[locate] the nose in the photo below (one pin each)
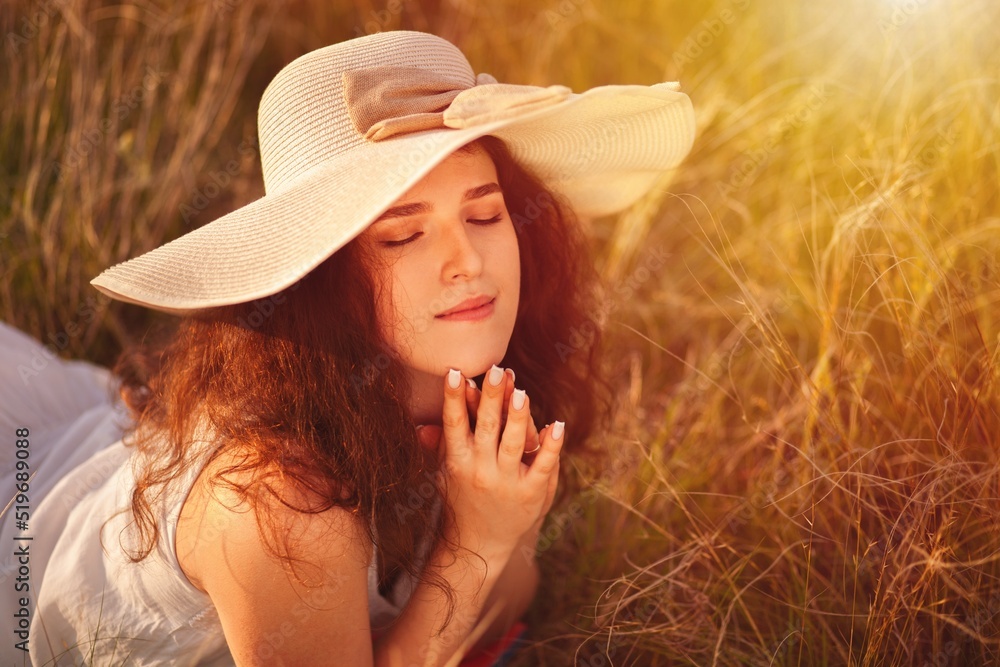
(462, 258)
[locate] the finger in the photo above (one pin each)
(472, 394)
(507, 393)
(455, 417)
(508, 387)
(550, 492)
(489, 414)
(514, 434)
(548, 456)
(429, 437)
(532, 443)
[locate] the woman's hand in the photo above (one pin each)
(429, 436)
(495, 497)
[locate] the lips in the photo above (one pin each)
(467, 305)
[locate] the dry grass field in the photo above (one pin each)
(803, 320)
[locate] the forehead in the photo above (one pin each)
(460, 177)
(469, 166)
(465, 175)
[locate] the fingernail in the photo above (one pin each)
(512, 376)
(496, 376)
(557, 430)
(518, 399)
(471, 383)
(454, 378)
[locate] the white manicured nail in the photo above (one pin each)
(454, 378)
(471, 383)
(557, 430)
(518, 399)
(496, 376)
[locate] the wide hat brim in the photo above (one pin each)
(601, 149)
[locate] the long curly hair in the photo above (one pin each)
(302, 386)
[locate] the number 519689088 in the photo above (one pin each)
(22, 476)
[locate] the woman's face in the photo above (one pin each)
(447, 254)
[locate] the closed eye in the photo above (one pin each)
(413, 237)
(490, 221)
(408, 239)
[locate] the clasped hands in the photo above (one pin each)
(499, 476)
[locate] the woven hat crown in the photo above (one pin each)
(303, 119)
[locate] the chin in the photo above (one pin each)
(474, 368)
(473, 363)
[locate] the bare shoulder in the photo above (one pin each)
(260, 597)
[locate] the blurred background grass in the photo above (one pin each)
(802, 320)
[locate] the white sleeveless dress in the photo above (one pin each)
(89, 604)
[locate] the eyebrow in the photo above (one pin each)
(417, 208)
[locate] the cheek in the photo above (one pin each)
(401, 316)
(390, 300)
(509, 260)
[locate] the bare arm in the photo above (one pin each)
(517, 584)
(419, 636)
(270, 617)
(499, 504)
(514, 590)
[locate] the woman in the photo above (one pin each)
(314, 475)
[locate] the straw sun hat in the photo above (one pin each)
(347, 129)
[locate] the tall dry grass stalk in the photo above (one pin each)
(803, 320)
(814, 480)
(111, 119)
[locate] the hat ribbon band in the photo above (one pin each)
(386, 101)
